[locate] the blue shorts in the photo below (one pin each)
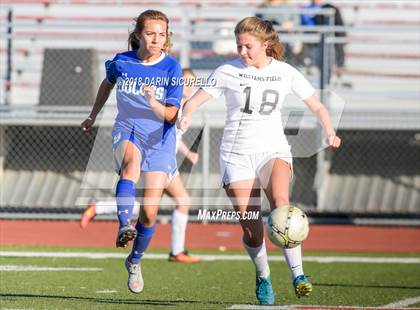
(152, 158)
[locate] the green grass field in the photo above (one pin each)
(207, 285)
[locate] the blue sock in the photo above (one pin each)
(144, 235)
(125, 194)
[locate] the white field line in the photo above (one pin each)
(317, 259)
(403, 303)
(44, 268)
(106, 292)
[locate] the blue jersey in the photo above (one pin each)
(134, 112)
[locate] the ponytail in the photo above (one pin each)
(133, 43)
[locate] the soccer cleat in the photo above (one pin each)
(302, 286)
(88, 214)
(125, 234)
(264, 291)
(183, 257)
(135, 279)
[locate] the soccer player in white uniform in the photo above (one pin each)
(175, 189)
(254, 152)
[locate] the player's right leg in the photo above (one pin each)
(128, 154)
(246, 198)
(239, 179)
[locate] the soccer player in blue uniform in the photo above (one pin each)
(144, 139)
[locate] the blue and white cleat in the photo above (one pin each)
(264, 291)
(302, 286)
(125, 235)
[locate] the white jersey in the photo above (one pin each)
(254, 98)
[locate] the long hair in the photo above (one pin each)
(134, 44)
(263, 30)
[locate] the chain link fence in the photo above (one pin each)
(59, 169)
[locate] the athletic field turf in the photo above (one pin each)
(225, 280)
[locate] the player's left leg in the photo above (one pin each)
(146, 226)
(177, 191)
(276, 175)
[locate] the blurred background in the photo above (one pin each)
(52, 55)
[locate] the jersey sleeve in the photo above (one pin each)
(300, 86)
(215, 86)
(111, 75)
(174, 91)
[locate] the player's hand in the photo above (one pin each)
(333, 141)
(149, 92)
(193, 157)
(87, 124)
(184, 122)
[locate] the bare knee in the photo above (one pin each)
(147, 218)
(183, 204)
(253, 235)
(130, 171)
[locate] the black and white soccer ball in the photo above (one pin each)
(287, 226)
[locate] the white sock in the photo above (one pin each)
(259, 258)
(109, 207)
(293, 258)
(179, 225)
(136, 209)
(105, 207)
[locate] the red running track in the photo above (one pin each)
(342, 238)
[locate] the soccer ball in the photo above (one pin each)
(287, 226)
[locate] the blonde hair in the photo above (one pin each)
(134, 44)
(263, 30)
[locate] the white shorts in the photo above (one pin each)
(237, 167)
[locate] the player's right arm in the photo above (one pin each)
(200, 97)
(101, 97)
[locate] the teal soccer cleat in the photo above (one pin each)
(302, 286)
(264, 291)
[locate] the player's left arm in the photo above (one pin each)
(319, 110)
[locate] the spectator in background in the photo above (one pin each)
(338, 21)
(288, 21)
(313, 50)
